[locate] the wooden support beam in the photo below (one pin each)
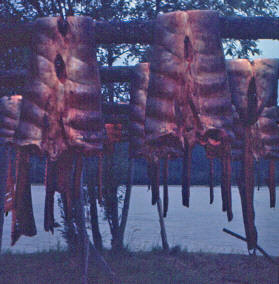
(116, 74)
(10, 78)
(249, 27)
(236, 27)
(15, 35)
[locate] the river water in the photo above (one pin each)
(198, 228)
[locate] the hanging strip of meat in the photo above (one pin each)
(211, 180)
(100, 179)
(155, 180)
(51, 187)
(10, 186)
(166, 190)
(65, 180)
(153, 172)
(62, 99)
(266, 144)
(226, 161)
(77, 176)
(223, 186)
(24, 223)
(186, 175)
(271, 183)
(9, 118)
(247, 191)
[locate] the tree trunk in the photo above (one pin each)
(3, 180)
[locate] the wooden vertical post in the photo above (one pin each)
(162, 225)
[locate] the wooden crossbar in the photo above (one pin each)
(235, 27)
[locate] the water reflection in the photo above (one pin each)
(198, 228)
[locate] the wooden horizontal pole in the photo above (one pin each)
(257, 246)
(235, 27)
(120, 74)
(116, 74)
(249, 27)
(12, 78)
(116, 109)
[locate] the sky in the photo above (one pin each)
(270, 48)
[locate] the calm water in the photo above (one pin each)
(196, 228)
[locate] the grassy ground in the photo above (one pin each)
(155, 267)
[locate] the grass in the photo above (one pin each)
(154, 267)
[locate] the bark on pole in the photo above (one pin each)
(236, 27)
(3, 179)
(162, 225)
(107, 74)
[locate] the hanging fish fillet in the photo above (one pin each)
(266, 144)
(207, 90)
(62, 100)
(166, 84)
(139, 88)
(137, 135)
(253, 86)
(166, 190)
(206, 84)
(9, 118)
(242, 86)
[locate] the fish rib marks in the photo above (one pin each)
(62, 97)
